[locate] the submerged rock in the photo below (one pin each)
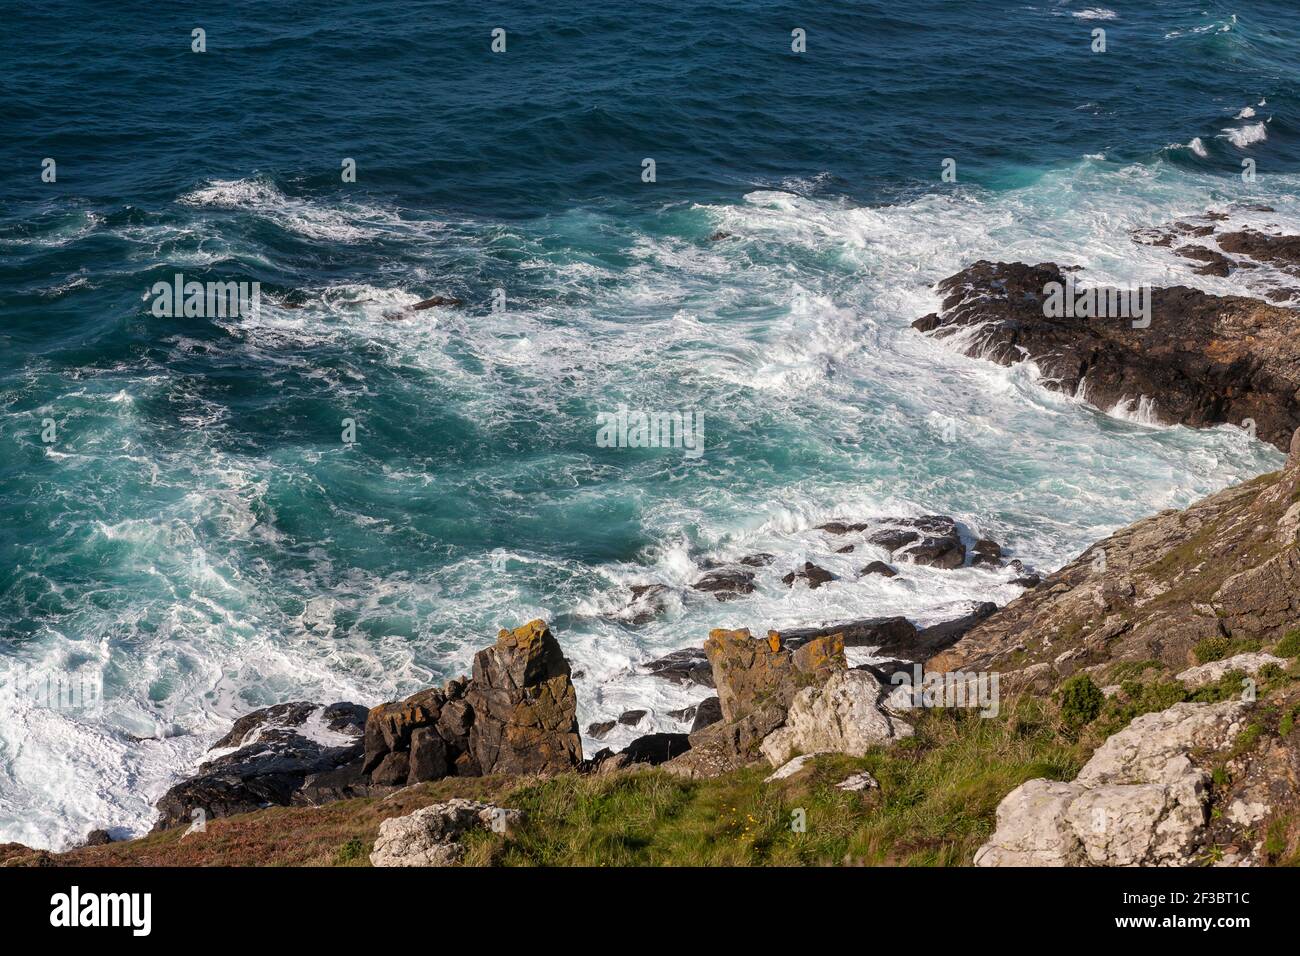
(726, 584)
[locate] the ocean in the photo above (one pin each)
(183, 518)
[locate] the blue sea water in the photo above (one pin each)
(197, 533)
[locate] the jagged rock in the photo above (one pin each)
(1140, 799)
(98, 838)
(1280, 251)
(842, 716)
(1204, 359)
(280, 754)
(524, 704)
(847, 549)
(1214, 262)
(630, 718)
(600, 728)
(1210, 673)
(647, 602)
(690, 665)
(814, 575)
(1228, 566)
(726, 584)
(430, 836)
(750, 673)
(878, 567)
(890, 634)
(986, 552)
(655, 749)
(707, 713)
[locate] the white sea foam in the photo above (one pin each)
(1247, 135)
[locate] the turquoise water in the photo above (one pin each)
(199, 535)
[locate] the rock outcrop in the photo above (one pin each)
(841, 716)
(431, 836)
(516, 714)
(1140, 800)
(290, 754)
(1227, 567)
(1202, 360)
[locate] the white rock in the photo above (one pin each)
(790, 767)
(841, 716)
(1138, 801)
(428, 837)
(1195, 677)
(859, 781)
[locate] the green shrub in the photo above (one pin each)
(1081, 701)
(1218, 647)
(1289, 646)
(350, 852)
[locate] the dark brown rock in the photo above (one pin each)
(1204, 359)
(878, 567)
(814, 575)
(726, 584)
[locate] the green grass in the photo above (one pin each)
(935, 805)
(1289, 646)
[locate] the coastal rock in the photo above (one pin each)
(524, 704)
(814, 575)
(1210, 673)
(648, 602)
(655, 749)
(430, 836)
(726, 584)
(986, 552)
(279, 754)
(878, 567)
(749, 672)
(1140, 799)
(842, 716)
(790, 768)
(707, 713)
(1203, 360)
(1227, 566)
(690, 665)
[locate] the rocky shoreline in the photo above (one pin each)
(1173, 608)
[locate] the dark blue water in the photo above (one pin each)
(196, 532)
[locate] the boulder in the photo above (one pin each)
(430, 836)
(842, 716)
(1141, 800)
(690, 665)
(655, 749)
(751, 674)
(707, 713)
(814, 575)
(878, 567)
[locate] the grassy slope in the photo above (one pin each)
(935, 806)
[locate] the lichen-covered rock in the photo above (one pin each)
(525, 707)
(1139, 801)
(750, 673)
(842, 716)
(431, 836)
